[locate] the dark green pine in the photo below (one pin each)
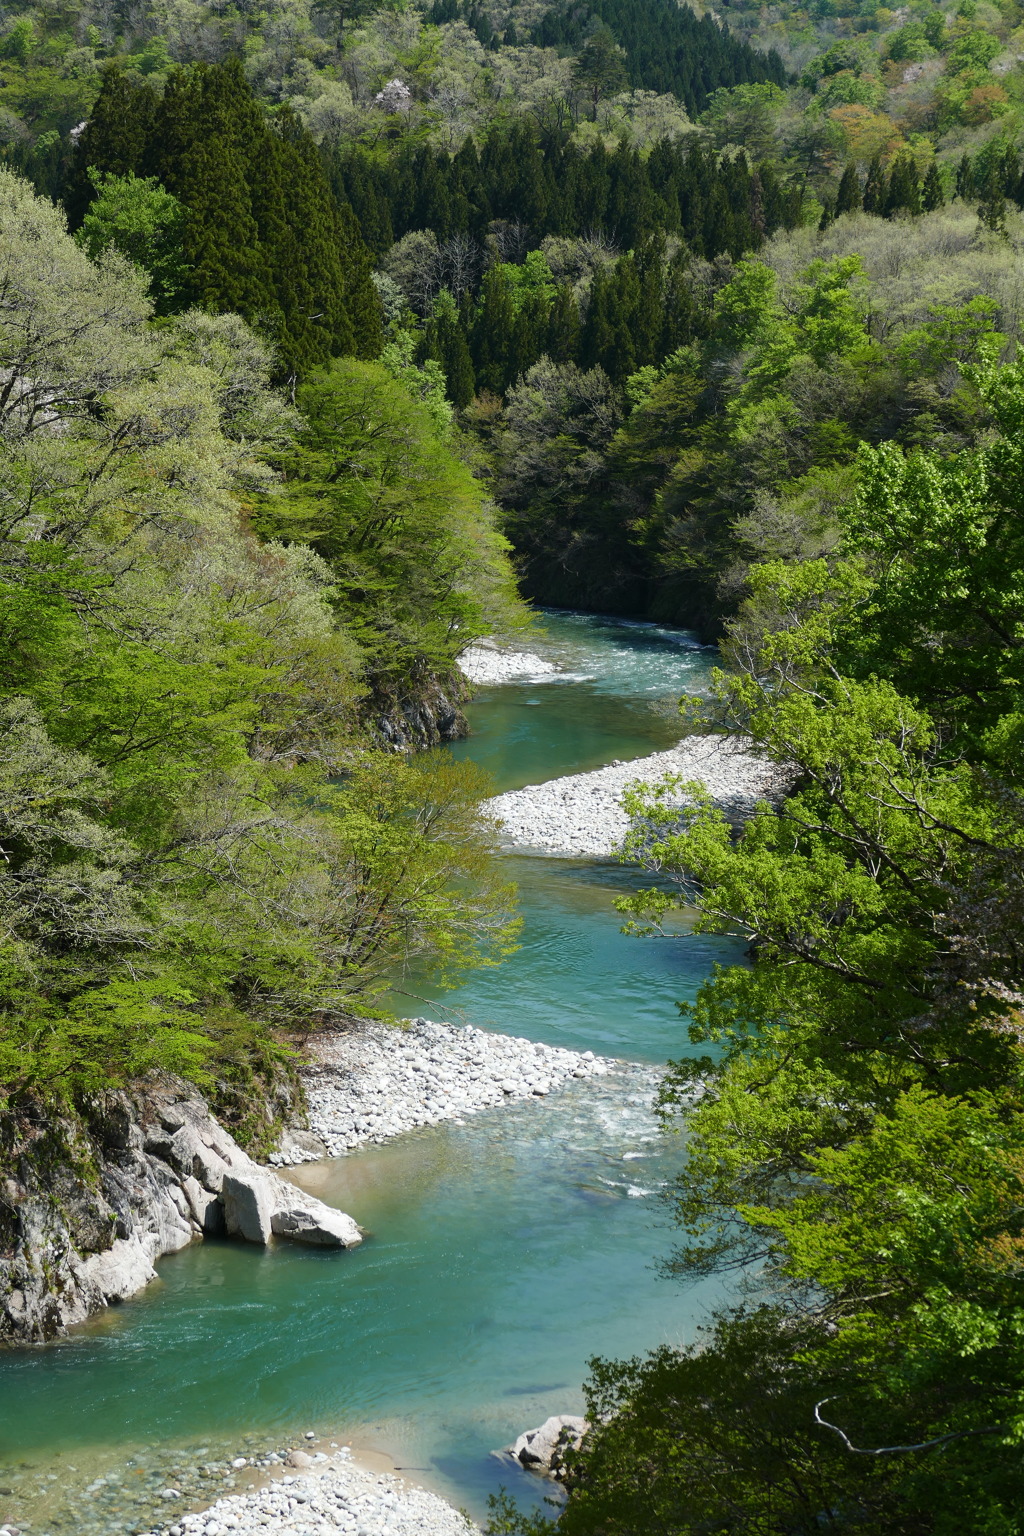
(493, 339)
(115, 139)
(932, 194)
(564, 328)
(903, 194)
(848, 198)
(875, 187)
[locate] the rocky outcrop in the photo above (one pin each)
(427, 715)
(89, 1203)
(544, 1450)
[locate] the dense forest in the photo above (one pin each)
(322, 325)
(207, 845)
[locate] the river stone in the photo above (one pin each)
(315, 1223)
(249, 1200)
(543, 1449)
(301, 1147)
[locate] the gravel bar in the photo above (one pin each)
(581, 816)
(377, 1080)
(333, 1495)
(488, 663)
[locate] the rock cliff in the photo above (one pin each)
(428, 713)
(89, 1202)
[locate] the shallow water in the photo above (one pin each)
(617, 697)
(504, 1252)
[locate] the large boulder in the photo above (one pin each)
(306, 1220)
(543, 1449)
(249, 1198)
(258, 1206)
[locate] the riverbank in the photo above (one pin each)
(375, 1081)
(238, 1485)
(500, 1251)
(581, 815)
(336, 1495)
(486, 663)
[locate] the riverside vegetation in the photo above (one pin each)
(725, 323)
(202, 847)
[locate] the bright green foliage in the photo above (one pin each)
(198, 849)
(445, 342)
(141, 219)
(374, 488)
(950, 527)
(745, 115)
(857, 1132)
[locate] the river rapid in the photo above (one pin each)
(503, 1253)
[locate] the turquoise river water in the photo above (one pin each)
(503, 1253)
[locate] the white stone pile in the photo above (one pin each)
(379, 1080)
(581, 815)
(334, 1496)
(489, 663)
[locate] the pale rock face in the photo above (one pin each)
(306, 1220)
(125, 1268)
(543, 1449)
(248, 1206)
(167, 1175)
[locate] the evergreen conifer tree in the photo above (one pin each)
(115, 139)
(848, 198)
(445, 341)
(932, 195)
(206, 140)
(875, 187)
(598, 341)
(565, 330)
(263, 234)
(903, 194)
(965, 178)
(600, 69)
(992, 201)
(492, 338)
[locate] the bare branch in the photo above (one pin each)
(897, 1450)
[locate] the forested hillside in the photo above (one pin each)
(852, 1100)
(321, 323)
(205, 847)
(545, 209)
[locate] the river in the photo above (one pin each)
(504, 1252)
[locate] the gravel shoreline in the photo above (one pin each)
(488, 663)
(378, 1080)
(580, 815)
(333, 1495)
